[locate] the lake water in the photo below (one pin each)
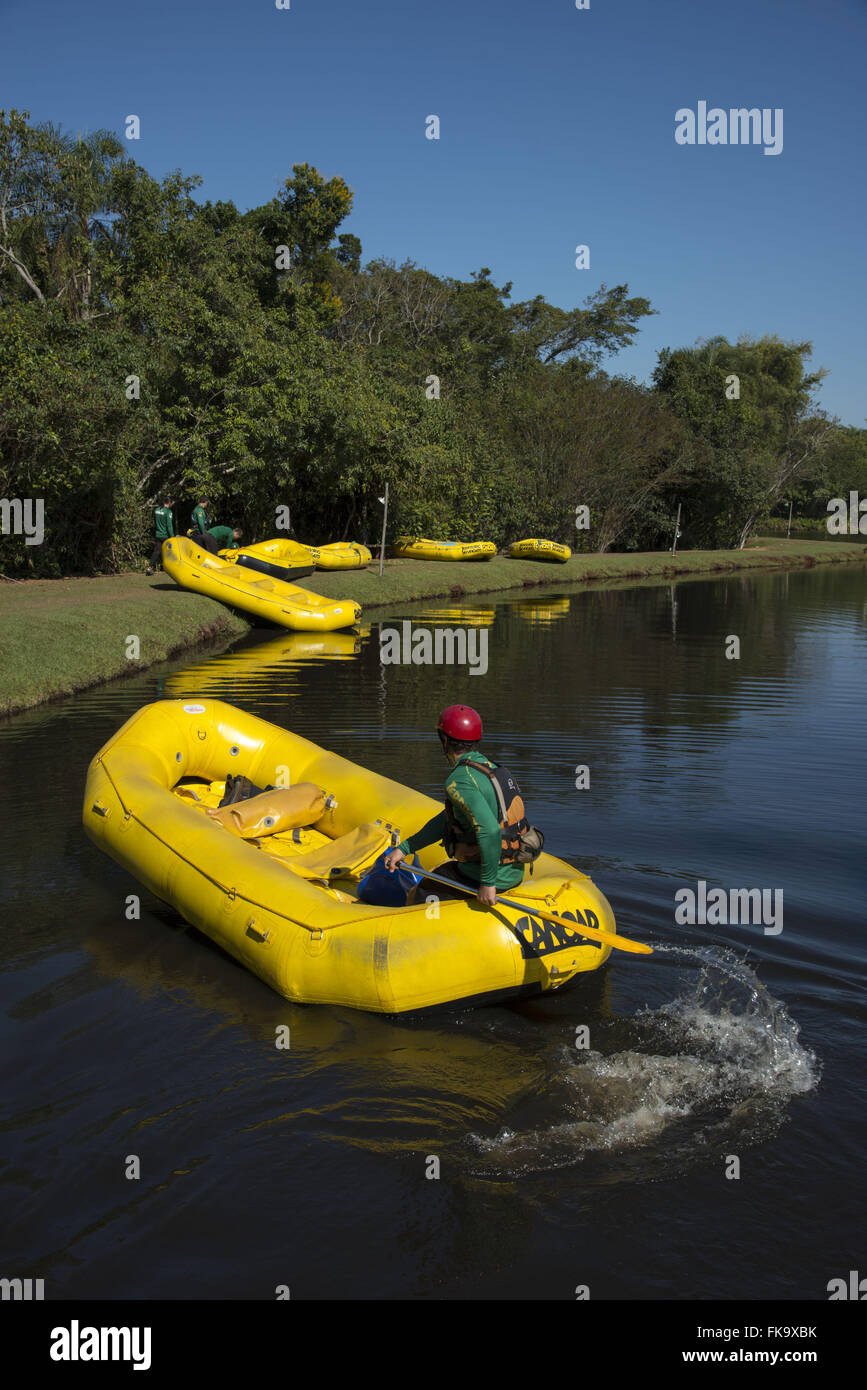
(732, 1048)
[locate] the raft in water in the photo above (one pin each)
(534, 549)
(417, 548)
(282, 897)
(262, 595)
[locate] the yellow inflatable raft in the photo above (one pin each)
(341, 555)
(416, 548)
(540, 550)
(286, 553)
(273, 880)
(287, 604)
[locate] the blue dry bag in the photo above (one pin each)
(382, 889)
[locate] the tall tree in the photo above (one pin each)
(749, 408)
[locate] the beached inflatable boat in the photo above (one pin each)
(282, 559)
(274, 880)
(341, 555)
(416, 548)
(533, 549)
(262, 595)
(287, 554)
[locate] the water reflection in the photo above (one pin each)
(248, 670)
(455, 616)
(542, 612)
(142, 1037)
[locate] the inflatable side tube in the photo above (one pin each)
(252, 562)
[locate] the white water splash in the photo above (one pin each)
(717, 1066)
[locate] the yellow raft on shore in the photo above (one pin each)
(288, 554)
(263, 596)
(341, 555)
(534, 549)
(275, 883)
(417, 548)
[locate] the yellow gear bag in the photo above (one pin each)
(283, 808)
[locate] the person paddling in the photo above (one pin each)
(164, 527)
(482, 826)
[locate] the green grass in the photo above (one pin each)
(404, 580)
(64, 635)
(58, 636)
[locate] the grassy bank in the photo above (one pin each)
(61, 636)
(58, 636)
(405, 580)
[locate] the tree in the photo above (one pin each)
(54, 206)
(748, 407)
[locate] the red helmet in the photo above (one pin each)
(460, 722)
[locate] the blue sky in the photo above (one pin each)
(557, 128)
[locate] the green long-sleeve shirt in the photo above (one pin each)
(199, 518)
(225, 537)
(163, 523)
(474, 803)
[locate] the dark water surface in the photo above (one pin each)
(559, 1166)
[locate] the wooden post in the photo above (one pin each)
(676, 530)
(384, 501)
(789, 527)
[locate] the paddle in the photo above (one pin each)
(620, 943)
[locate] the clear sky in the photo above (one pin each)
(557, 129)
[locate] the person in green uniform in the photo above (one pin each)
(227, 537)
(199, 518)
(200, 532)
(164, 527)
(482, 824)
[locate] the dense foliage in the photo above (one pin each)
(153, 346)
